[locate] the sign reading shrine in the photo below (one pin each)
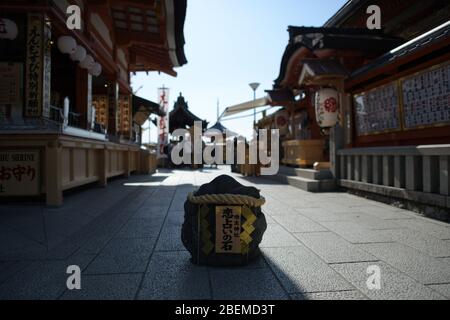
(19, 173)
(228, 229)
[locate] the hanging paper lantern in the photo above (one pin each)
(327, 107)
(67, 44)
(79, 54)
(88, 62)
(96, 70)
(8, 29)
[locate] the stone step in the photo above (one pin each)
(306, 184)
(306, 173)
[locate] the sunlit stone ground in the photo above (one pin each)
(126, 239)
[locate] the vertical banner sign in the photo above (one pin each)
(124, 107)
(228, 229)
(113, 105)
(34, 69)
(19, 172)
(47, 68)
(163, 122)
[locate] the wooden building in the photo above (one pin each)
(67, 113)
(391, 134)
(315, 58)
(395, 142)
(370, 107)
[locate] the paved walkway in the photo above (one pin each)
(126, 239)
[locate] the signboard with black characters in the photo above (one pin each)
(417, 101)
(377, 110)
(228, 229)
(426, 98)
(47, 71)
(34, 68)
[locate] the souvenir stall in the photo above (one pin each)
(66, 102)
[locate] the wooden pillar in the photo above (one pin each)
(113, 104)
(83, 96)
(83, 104)
(337, 138)
(127, 163)
(103, 160)
(53, 172)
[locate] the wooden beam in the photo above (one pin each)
(125, 3)
(125, 38)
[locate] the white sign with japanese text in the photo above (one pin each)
(228, 229)
(19, 172)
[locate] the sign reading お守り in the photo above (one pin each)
(19, 172)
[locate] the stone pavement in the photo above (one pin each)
(126, 239)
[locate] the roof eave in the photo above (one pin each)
(176, 16)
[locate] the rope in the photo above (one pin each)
(231, 199)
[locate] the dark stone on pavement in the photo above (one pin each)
(192, 226)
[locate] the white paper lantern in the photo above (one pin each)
(10, 30)
(67, 44)
(327, 107)
(96, 70)
(88, 62)
(79, 54)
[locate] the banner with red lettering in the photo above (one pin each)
(163, 122)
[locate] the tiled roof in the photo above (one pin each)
(407, 49)
(312, 38)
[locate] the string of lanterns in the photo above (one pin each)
(68, 45)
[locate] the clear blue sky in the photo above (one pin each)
(230, 43)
